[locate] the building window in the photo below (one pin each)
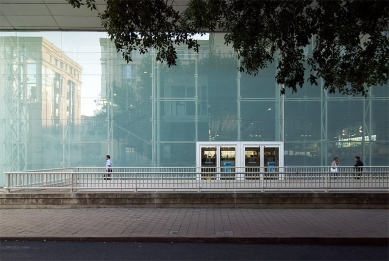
(204, 54)
(180, 54)
(128, 72)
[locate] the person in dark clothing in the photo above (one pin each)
(358, 167)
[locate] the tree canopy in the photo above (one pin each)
(349, 37)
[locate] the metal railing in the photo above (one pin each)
(202, 179)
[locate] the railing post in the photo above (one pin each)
(199, 182)
(262, 180)
(7, 183)
(72, 182)
(136, 182)
(326, 174)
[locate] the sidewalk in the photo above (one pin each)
(296, 226)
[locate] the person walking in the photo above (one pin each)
(334, 166)
(358, 167)
(108, 167)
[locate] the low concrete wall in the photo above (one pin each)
(197, 200)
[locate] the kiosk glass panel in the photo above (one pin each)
(208, 163)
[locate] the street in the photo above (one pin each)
(51, 250)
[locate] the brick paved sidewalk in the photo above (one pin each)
(307, 226)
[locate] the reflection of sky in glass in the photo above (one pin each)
(84, 48)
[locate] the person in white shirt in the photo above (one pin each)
(108, 167)
(334, 166)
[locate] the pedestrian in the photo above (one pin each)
(358, 167)
(334, 166)
(108, 167)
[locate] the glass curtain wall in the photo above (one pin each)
(67, 103)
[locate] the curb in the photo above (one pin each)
(239, 240)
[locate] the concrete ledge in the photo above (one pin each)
(306, 200)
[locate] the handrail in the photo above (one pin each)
(202, 178)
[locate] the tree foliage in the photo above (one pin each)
(349, 37)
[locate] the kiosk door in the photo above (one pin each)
(271, 161)
(227, 162)
(252, 162)
(208, 162)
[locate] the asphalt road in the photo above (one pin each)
(48, 250)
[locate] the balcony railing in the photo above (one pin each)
(199, 179)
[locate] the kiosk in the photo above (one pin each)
(239, 160)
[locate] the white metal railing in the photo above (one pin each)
(202, 179)
(45, 178)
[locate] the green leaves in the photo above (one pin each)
(351, 45)
(77, 3)
(347, 40)
(142, 25)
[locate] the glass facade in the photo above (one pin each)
(67, 99)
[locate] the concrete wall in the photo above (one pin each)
(198, 200)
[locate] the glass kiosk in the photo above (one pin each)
(239, 160)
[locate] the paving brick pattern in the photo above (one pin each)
(201, 224)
